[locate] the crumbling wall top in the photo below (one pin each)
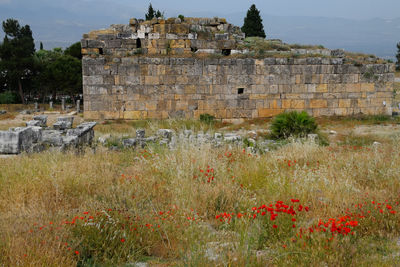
(164, 37)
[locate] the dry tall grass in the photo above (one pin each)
(159, 205)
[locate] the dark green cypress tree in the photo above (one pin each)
(253, 23)
(41, 46)
(150, 13)
(398, 57)
(158, 14)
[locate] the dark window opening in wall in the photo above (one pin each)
(101, 52)
(194, 49)
(226, 52)
(138, 43)
(240, 91)
(146, 35)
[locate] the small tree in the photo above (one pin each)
(398, 57)
(152, 13)
(253, 23)
(74, 50)
(159, 14)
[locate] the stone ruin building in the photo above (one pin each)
(173, 68)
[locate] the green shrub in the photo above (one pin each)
(8, 98)
(182, 17)
(207, 118)
(293, 123)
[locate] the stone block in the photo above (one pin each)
(42, 119)
(63, 123)
(52, 137)
(321, 88)
(344, 103)
(269, 112)
(33, 123)
(318, 103)
(17, 141)
(367, 87)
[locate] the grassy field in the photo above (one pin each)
(299, 205)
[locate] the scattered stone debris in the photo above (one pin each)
(168, 137)
(25, 112)
(36, 136)
(3, 112)
(376, 143)
(332, 132)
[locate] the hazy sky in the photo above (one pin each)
(359, 9)
(348, 24)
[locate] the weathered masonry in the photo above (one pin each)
(152, 70)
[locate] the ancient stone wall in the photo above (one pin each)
(160, 69)
(140, 87)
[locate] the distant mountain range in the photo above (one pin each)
(60, 27)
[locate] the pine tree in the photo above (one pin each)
(158, 14)
(398, 57)
(150, 13)
(41, 46)
(253, 23)
(16, 55)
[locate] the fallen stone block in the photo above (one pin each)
(231, 137)
(52, 137)
(84, 132)
(69, 142)
(42, 119)
(165, 133)
(33, 123)
(131, 142)
(3, 112)
(140, 133)
(16, 141)
(25, 112)
(9, 143)
(63, 123)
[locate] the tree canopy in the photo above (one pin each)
(58, 71)
(37, 74)
(16, 56)
(253, 23)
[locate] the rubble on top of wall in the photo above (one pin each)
(36, 136)
(193, 36)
